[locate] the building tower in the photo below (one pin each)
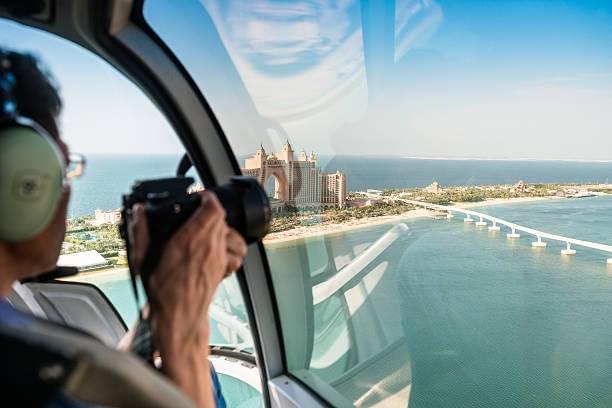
(300, 182)
(287, 153)
(302, 156)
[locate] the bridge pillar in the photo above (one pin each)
(468, 219)
(568, 250)
(494, 227)
(538, 243)
(513, 234)
(450, 215)
(481, 223)
(609, 262)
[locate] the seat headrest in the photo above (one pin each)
(43, 358)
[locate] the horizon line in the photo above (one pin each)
(324, 154)
(506, 159)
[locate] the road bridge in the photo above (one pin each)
(514, 229)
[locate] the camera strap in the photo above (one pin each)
(136, 294)
(134, 282)
(142, 342)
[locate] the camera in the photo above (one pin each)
(168, 205)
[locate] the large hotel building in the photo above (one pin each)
(298, 182)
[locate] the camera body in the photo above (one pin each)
(168, 205)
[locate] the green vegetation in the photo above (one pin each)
(83, 236)
(294, 218)
(362, 206)
(476, 194)
(473, 194)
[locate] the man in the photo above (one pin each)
(195, 261)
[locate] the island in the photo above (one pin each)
(99, 233)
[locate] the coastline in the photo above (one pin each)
(328, 229)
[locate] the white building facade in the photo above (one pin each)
(298, 182)
(106, 217)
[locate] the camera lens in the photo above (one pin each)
(247, 207)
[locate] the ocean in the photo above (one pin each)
(467, 317)
(108, 177)
(463, 316)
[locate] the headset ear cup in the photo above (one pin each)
(31, 182)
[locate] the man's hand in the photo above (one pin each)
(194, 262)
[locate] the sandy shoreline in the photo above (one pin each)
(324, 230)
(327, 229)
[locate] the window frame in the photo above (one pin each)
(116, 31)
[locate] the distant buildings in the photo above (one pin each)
(434, 188)
(106, 217)
(521, 187)
(297, 181)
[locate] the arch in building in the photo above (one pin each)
(281, 184)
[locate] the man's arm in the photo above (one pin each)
(194, 262)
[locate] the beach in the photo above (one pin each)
(324, 230)
(331, 228)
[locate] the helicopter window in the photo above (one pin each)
(430, 251)
(124, 138)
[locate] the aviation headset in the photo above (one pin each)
(32, 167)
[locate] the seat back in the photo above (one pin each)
(75, 304)
(42, 358)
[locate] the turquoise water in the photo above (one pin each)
(107, 177)
(492, 322)
(469, 317)
(118, 288)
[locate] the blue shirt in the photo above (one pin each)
(219, 400)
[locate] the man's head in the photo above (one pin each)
(37, 99)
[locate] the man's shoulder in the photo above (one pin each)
(10, 315)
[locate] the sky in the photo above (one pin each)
(103, 111)
(415, 78)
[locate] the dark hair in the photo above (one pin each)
(36, 92)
